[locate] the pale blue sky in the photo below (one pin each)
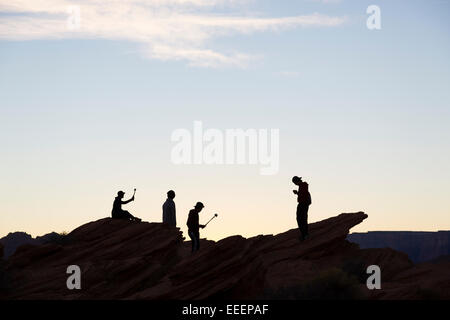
(363, 115)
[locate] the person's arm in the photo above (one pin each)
(173, 213)
(170, 213)
(172, 208)
(164, 213)
(125, 202)
(189, 221)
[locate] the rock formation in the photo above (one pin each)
(419, 246)
(16, 239)
(130, 260)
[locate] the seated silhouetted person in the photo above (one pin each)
(304, 201)
(193, 226)
(117, 212)
(169, 212)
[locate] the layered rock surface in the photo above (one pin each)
(130, 260)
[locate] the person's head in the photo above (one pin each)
(297, 180)
(170, 194)
(199, 206)
(120, 194)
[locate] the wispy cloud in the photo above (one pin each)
(165, 29)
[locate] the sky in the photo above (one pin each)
(88, 107)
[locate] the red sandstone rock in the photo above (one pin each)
(129, 260)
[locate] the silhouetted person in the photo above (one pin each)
(169, 212)
(193, 226)
(117, 212)
(304, 200)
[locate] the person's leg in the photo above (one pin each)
(127, 215)
(121, 215)
(192, 236)
(299, 221)
(197, 243)
(303, 225)
(302, 220)
(305, 222)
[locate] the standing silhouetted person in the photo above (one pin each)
(304, 200)
(193, 226)
(169, 212)
(117, 212)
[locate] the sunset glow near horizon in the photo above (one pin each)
(363, 115)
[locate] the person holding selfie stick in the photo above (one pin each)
(194, 226)
(117, 212)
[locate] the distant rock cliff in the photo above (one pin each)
(16, 239)
(419, 246)
(131, 260)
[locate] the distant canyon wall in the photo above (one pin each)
(419, 246)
